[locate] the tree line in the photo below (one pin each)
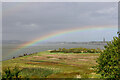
(77, 50)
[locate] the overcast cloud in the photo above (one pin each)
(30, 20)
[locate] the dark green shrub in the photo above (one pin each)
(98, 50)
(11, 73)
(109, 60)
(16, 72)
(8, 73)
(60, 49)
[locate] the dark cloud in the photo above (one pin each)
(30, 20)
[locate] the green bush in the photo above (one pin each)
(109, 60)
(11, 73)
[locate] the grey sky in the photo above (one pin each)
(31, 20)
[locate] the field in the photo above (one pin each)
(55, 65)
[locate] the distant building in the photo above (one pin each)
(103, 39)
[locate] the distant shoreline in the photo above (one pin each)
(7, 48)
(50, 52)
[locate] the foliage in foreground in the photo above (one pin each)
(25, 73)
(77, 50)
(109, 60)
(37, 72)
(11, 73)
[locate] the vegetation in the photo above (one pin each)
(72, 65)
(36, 72)
(77, 50)
(53, 65)
(109, 60)
(0, 76)
(11, 73)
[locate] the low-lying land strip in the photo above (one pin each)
(55, 65)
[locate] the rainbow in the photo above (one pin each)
(15, 7)
(62, 32)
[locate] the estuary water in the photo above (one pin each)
(11, 50)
